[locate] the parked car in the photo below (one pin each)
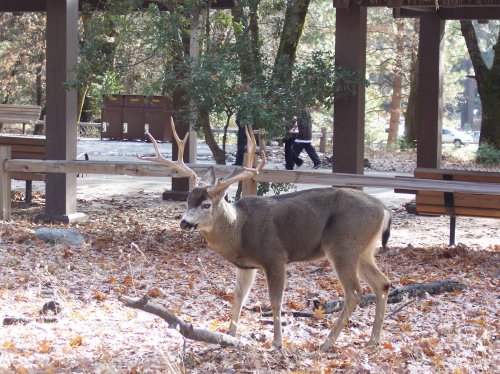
(456, 137)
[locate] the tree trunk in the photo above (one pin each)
(39, 128)
(204, 120)
(295, 17)
(411, 109)
(245, 38)
(488, 85)
(397, 84)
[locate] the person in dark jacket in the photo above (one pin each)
(304, 138)
(242, 140)
(291, 159)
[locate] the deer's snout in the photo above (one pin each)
(186, 225)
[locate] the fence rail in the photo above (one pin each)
(144, 168)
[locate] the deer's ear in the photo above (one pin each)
(208, 178)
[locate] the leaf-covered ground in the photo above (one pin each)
(134, 246)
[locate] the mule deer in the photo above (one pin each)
(267, 233)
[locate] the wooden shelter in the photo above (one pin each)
(348, 148)
(350, 52)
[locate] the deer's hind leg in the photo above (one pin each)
(276, 283)
(244, 281)
(379, 285)
(345, 266)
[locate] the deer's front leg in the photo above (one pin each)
(275, 275)
(244, 281)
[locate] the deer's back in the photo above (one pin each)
(296, 226)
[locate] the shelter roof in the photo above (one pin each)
(41, 5)
(416, 3)
(444, 9)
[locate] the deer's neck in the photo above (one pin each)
(224, 234)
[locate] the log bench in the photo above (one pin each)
(24, 114)
(32, 148)
(453, 204)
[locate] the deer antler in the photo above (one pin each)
(249, 172)
(179, 164)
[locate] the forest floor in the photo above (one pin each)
(134, 246)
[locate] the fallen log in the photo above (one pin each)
(186, 329)
(395, 296)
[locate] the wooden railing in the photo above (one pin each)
(141, 168)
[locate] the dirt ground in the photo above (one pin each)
(133, 246)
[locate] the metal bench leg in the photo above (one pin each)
(453, 226)
(29, 191)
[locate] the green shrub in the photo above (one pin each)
(406, 144)
(277, 188)
(488, 154)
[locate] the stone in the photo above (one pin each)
(60, 236)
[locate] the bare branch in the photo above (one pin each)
(186, 329)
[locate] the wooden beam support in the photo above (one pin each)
(4, 183)
(472, 13)
(430, 89)
(61, 129)
(349, 112)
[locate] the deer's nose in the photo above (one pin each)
(185, 225)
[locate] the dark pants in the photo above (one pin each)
(299, 147)
(242, 142)
(291, 158)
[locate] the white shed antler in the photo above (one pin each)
(179, 164)
(267, 233)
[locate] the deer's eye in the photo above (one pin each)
(206, 206)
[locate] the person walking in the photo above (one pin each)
(291, 159)
(242, 140)
(304, 138)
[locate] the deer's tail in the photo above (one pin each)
(386, 228)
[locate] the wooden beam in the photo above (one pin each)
(4, 184)
(142, 168)
(472, 13)
(61, 129)
(430, 91)
(23, 6)
(349, 112)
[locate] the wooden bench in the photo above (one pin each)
(453, 204)
(24, 114)
(26, 148)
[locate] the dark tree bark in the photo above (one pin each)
(218, 153)
(411, 109)
(488, 85)
(295, 17)
(397, 84)
(39, 90)
(247, 40)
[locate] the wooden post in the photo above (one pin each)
(249, 186)
(4, 184)
(430, 91)
(60, 125)
(349, 112)
(322, 140)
